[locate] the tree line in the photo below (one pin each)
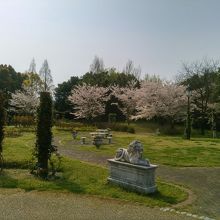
(123, 93)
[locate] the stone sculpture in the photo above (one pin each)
(129, 170)
(132, 155)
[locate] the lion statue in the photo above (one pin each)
(132, 155)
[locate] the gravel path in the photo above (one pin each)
(204, 182)
(43, 205)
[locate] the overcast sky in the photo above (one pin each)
(158, 35)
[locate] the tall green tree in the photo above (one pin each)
(108, 78)
(2, 120)
(44, 133)
(62, 92)
(46, 77)
(10, 80)
(201, 78)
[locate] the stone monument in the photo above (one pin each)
(129, 170)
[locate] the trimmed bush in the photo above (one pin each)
(131, 129)
(13, 132)
(23, 120)
(117, 127)
(44, 133)
(77, 126)
(73, 126)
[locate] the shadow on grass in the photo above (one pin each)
(164, 198)
(16, 165)
(6, 181)
(66, 184)
(161, 195)
(30, 182)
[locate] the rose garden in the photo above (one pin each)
(148, 144)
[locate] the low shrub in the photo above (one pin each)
(73, 126)
(13, 132)
(27, 129)
(172, 131)
(77, 126)
(117, 127)
(131, 129)
(23, 120)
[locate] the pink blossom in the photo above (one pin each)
(89, 101)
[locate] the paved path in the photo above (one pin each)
(16, 205)
(204, 182)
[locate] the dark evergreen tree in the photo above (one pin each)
(2, 119)
(108, 78)
(202, 79)
(44, 133)
(2, 123)
(62, 92)
(10, 80)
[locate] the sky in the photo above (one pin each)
(158, 35)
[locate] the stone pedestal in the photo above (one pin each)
(134, 177)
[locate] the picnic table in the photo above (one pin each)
(104, 133)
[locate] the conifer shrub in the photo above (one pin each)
(2, 123)
(2, 119)
(44, 134)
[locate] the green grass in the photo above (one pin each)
(84, 178)
(17, 151)
(76, 177)
(167, 150)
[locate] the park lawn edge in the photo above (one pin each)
(17, 151)
(88, 179)
(165, 150)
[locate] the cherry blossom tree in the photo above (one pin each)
(172, 102)
(25, 101)
(147, 98)
(89, 101)
(161, 99)
(127, 97)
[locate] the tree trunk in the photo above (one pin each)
(128, 122)
(213, 125)
(203, 125)
(172, 124)
(43, 165)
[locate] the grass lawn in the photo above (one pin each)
(167, 150)
(76, 177)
